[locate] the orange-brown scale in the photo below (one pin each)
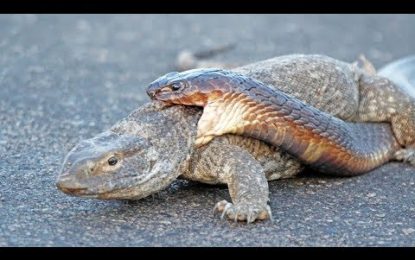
(318, 139)
(318, 151)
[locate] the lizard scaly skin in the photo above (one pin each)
(154, 145)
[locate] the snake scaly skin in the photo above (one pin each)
(240, 105)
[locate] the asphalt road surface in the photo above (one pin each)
(68, 77)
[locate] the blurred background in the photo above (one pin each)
(68, 77)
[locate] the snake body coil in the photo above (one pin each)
(236, 104)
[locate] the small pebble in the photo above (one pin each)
(408, 231)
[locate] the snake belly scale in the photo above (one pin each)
(240, 105)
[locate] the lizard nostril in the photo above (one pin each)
(151, 165)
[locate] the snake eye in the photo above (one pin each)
(176, 86)
(112, 161)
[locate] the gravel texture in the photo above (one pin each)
(68, 77)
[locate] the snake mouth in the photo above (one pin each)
(164, 94)
(155, 92)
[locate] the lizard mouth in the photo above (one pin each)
(71, 187)
(71, 190)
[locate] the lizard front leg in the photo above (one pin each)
(245, 177)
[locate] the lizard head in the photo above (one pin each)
(105, 165)
(140, 155)
(191, 87)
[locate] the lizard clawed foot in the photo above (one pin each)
(406, 155)
(243, 211)
(202, 140)
(364, 64)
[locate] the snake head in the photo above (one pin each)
(192, 87)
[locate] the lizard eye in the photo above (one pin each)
(112, 161)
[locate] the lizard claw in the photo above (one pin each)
(228, 205)
(216, 208)
(250, 218)
(236, 217)
(270, 213)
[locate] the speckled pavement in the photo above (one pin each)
(68, 77)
